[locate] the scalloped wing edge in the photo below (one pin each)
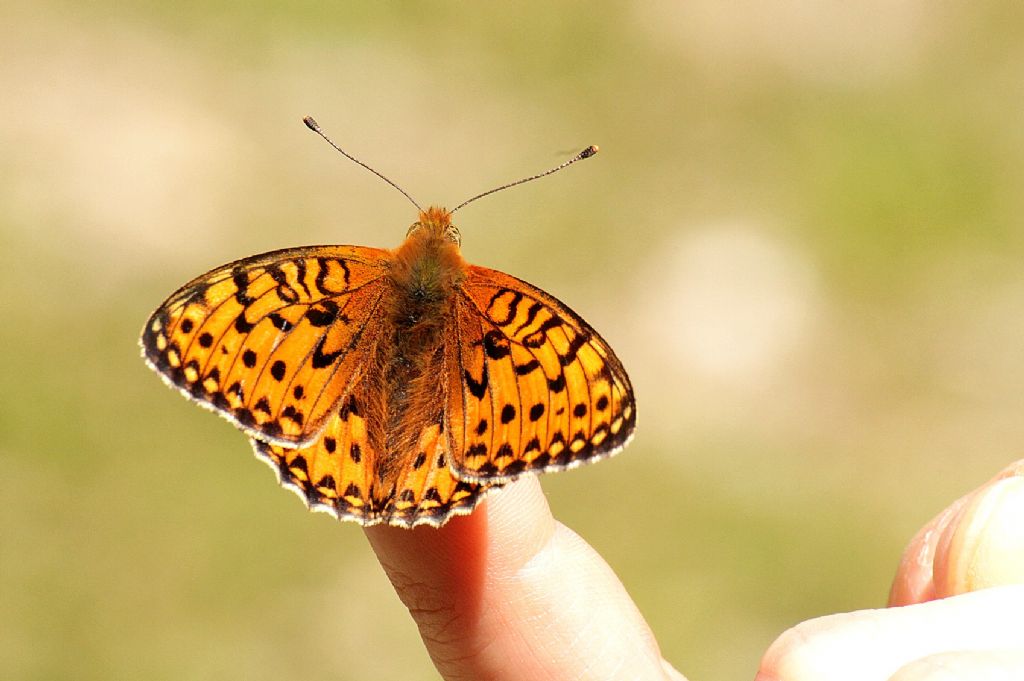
(552, 468)
(247, 430)
(407, 523)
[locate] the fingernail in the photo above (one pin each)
(985, 544)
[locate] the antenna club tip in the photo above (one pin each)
(311, 123)
(590, 151)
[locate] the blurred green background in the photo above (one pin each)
(803, 237)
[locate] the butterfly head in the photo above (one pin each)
(435, 223)
(428, 264)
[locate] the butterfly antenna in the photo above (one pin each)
(586, 153)
(315, 127)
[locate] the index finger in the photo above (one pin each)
(509, 593)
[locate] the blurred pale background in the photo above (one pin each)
(803, 236)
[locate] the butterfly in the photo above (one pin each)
(393, 386)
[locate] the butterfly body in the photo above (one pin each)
(393, 386)
(424, 272)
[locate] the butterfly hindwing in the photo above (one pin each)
(416, 483)
(336, 472)
(426, 491)
(271, 342)
(538, 388)
(345, 474)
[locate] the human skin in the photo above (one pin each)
(956, 605)
(508, 593)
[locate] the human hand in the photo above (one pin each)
(971, 556)
(509, 593)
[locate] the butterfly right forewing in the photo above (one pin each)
(536, 388)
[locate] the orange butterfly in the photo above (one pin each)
(393, 386)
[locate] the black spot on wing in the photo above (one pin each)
(496, 345)
(279, 322)
(477, 388)
(323, 359)
(296, 416)
(243, 325)
(323, 313)
(527, 367)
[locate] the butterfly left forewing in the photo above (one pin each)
(272, 342)
(538, 388)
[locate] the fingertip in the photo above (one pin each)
(984, 546)
(510, 583)
(974, 543)
(450, 577)
(519, 522)
(914, 580)
(515, 519)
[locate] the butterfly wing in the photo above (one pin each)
(346, 473)
(537, 388)
(335, 472)
(420, 485)
(272, 342)
(427, 490)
